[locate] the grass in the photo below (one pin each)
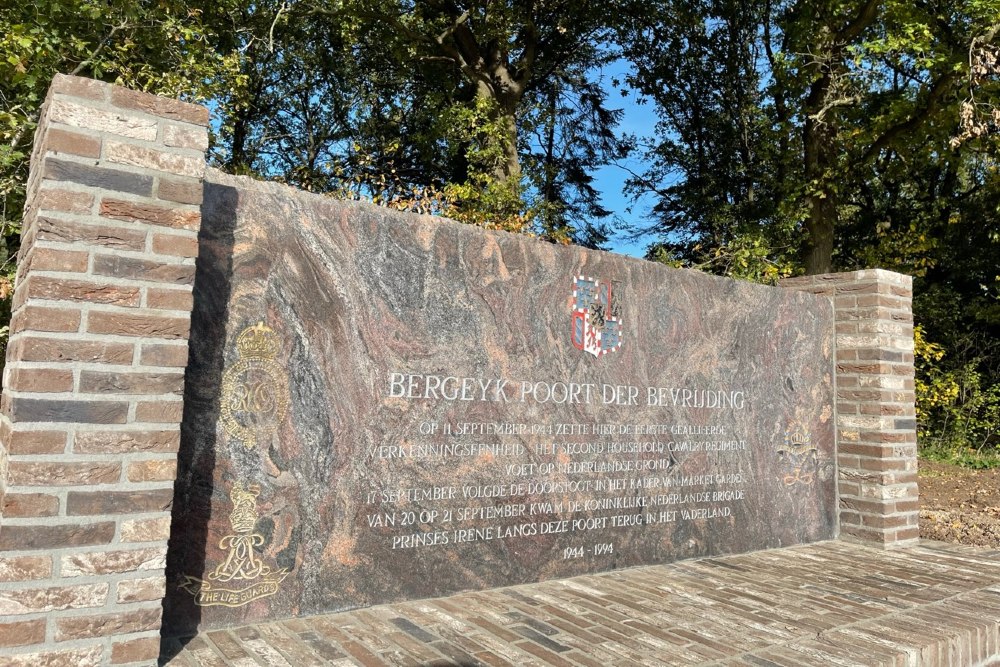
(966, 458)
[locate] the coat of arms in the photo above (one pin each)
(242, 577)
(596, 324)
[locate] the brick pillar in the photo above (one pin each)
(876, 419)
(92, 390)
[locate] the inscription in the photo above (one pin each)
(500, 390)
(560, 477)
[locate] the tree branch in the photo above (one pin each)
(866, 14)
(937, 94)
(100, 47)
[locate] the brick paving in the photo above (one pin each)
(832, 603)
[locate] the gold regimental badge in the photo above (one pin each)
(242, 577)
(255, 388)
(798, 457)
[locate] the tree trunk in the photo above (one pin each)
(505, 102)
(510, 170)
(818, 251)
(819, 160)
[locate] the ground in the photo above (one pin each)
(959, 504)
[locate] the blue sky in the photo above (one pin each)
(639, 120)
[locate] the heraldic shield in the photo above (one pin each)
(596, 325)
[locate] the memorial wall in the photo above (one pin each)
(384, 406)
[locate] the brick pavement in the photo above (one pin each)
(832, 603)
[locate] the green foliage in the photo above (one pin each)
(162, 47)
(958, 396)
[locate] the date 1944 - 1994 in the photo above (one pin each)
(603, 549)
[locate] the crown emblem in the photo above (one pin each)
(244, 514)
(257, 342)
(797, 439)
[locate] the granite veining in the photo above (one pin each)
(383, 406)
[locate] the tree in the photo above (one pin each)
(162, 47)
(494, 72)
(801, 119)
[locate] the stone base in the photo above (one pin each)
(824, 604)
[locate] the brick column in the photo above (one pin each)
(93, 385)
(876, 419)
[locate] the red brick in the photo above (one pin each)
(880, 354)
(844, 304)
(125, 442)
(897, 290)
(92, 503)
(881, 464)
(105, 236)
(88, 656)
(69, 201)
(22, 633)
(907, 505)
(884, 409)
(93, 563)
(869, 506)
(36, 348)
(56, 537)
(74, 143)
(170, 299)
(74, 411)
(52, 259)
(40, 380)
(164, 355)
(903, 534)
(153, 471)
(145, 530)
(34, 442)
(146, 326)
(135, 268)
(105, 625)
(886, 301)
(864, 534)
(78, 86)
(146, 649)
(159, 412)
(42, 287)
(192, 166)
(141, 590)
(52, 598)
(25, 568)
(96, 382)
(159, 106)
(882, 522)
(849, 488)
(151, 214)
(182, 191)
(872, 450)
(856, 289)
(38, 318)
(185, 136)
(176, 245)
(862, 369)
(83, 173)
(33, 473)
(29, 505)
